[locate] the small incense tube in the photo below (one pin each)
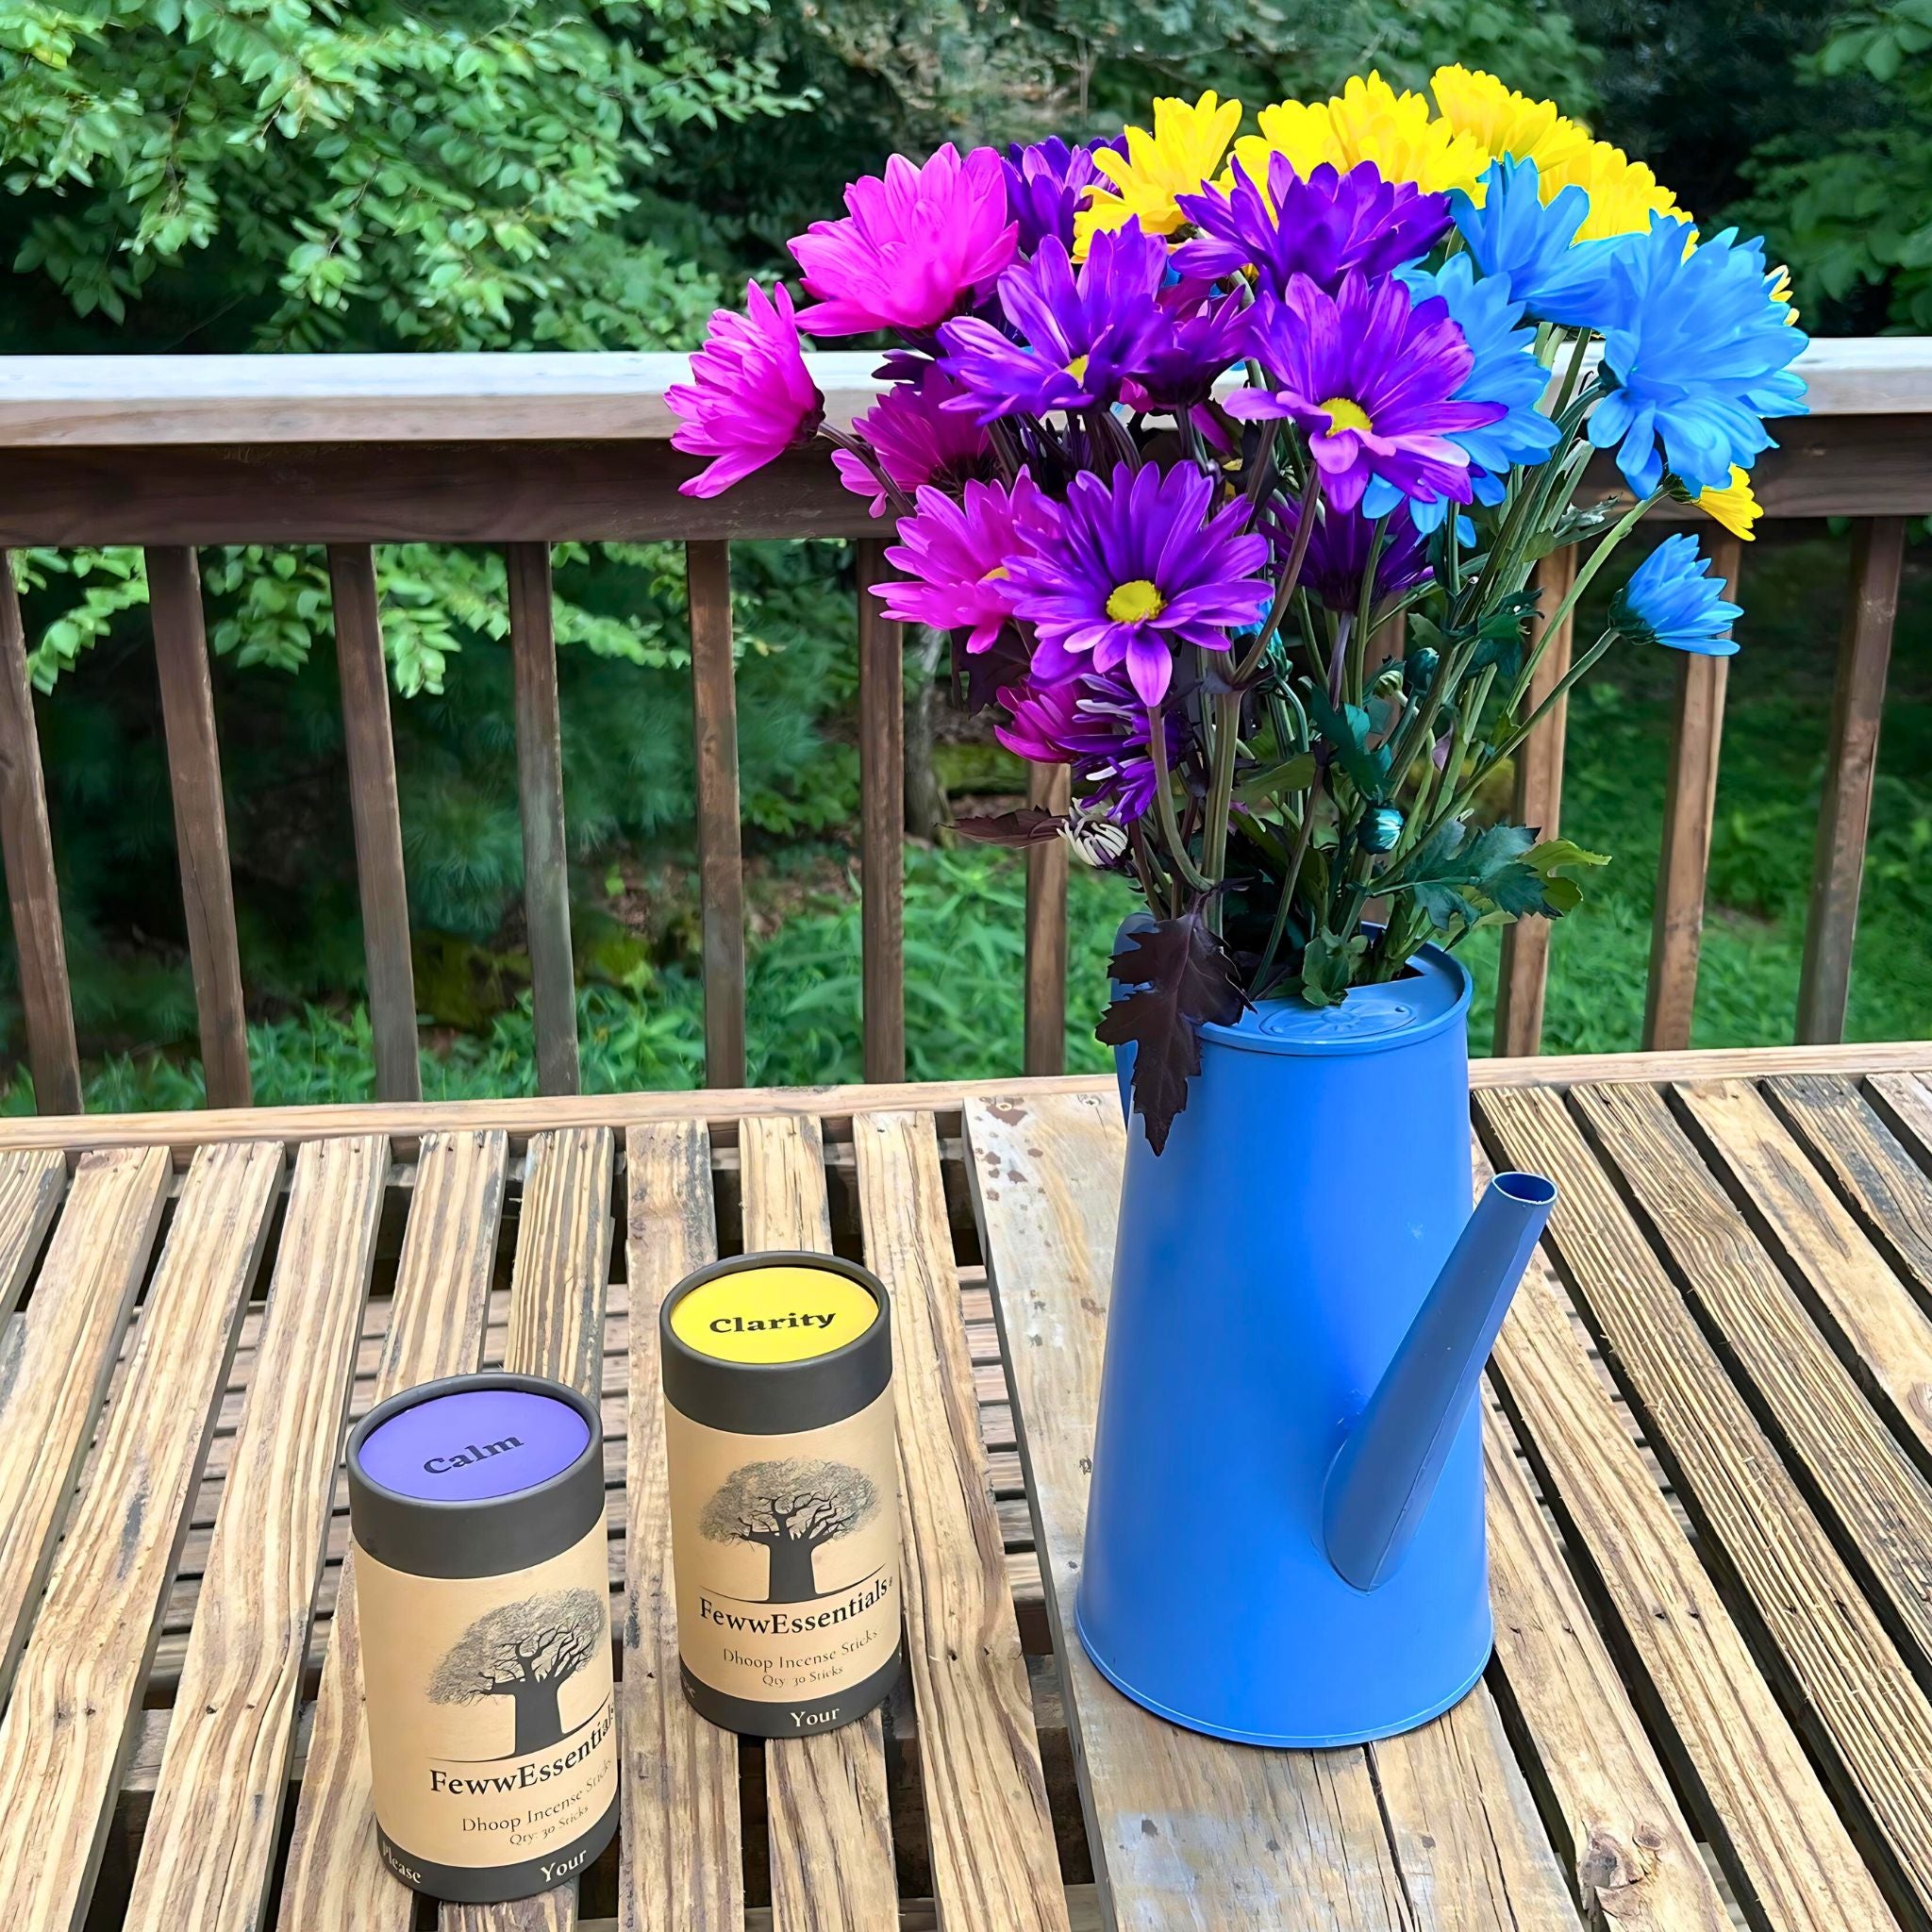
(784, 1491)
(483, 1607)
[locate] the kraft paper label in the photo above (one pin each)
(786, 1563)
(788, 1312)
(491, 1720)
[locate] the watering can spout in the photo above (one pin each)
(1385, 1472)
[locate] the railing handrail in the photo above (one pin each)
(590, 395)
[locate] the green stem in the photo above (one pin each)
(1164, 797)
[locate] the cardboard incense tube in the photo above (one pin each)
(482, 1602)
(784, 1491)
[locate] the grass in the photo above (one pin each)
(964, 930)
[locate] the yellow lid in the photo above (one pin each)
(785, 1313)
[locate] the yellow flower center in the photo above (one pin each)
(1344, 414)
(996, 576)
(1077, 368)
(1135, 602)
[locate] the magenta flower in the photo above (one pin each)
(749, 399)
(1321, 227)
(1370, 376)
(1134, 572)
(917, 439)
(1097, 725)
(956, 558)
(917, 245)
(1082, 333)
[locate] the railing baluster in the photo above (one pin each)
(1697, 724)
(540, 803)
(377, 816)
(1050, 788)
(721, 858)
(33, 894)
(1858, 708)
(201, 820)
(882, 820)
(1523, 975)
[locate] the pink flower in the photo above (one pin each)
(749, 399)
(917, 441)
(917, 246)
(955, 556)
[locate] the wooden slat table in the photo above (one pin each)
(1709, 1444)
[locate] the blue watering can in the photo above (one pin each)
(1285, 1540)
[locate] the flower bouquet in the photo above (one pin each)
(1230, 458)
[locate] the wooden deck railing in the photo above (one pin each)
(172, 454)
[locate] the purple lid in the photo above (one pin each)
(473, 1443)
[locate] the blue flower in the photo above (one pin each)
(1506, 371)
(1695, 355)
(1670, 599)
(1515, 233)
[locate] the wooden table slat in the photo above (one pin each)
(334, 1877)
(991, 1835)
(62, 1753)
(1860, 1710)
(218, 1804)
(31, 1184)
(831, 1840)
(682, 1858)
(1184, 1832)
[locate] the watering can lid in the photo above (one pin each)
(1433, 994)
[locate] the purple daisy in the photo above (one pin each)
(749, 399)
(1097, 725)
(917, 245)
(1370, 376)
(1081, 334)
(1135, 571)
(1045, 184)
(1321, 227)
(957, 557)
(1206, 340)
(1338, 553)
(916, 439)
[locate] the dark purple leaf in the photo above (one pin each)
(989, 672)
(1181, 978)
(1026, 827)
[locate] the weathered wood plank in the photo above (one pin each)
(556, 1329)
(520, 1117)
(1050, 788)
(334, 1877)
(201, 820)
(1524, 977)
(721, 857)
(377, 814)
(211, 1840)
(55, 1364)
(31, 1182)
(882, 819)
(1183, 1831)
(831, 1838)
(1880, 1331)
(1869, 1723)
(33, 892)
(1863, 1477)
(1697, 723)
(1857, 710)
(993, 1861)
(682, 1855)
(1888, 1192)
(61, 1753)
(539, 805)
(1744, 1772)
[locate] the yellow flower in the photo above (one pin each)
(1734, 506)
(1177, 157)
(1505, 122)
(1367, 122)
(1623, 194)
(1779, 285)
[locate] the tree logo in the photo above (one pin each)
(792, 1507)
(525, 1651)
